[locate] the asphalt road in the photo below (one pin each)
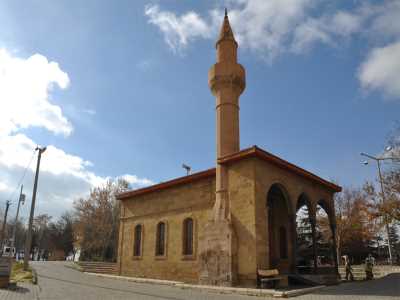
(57, 280)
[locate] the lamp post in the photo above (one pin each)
(378, 162)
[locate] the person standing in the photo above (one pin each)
(369, 264)
(348, 268)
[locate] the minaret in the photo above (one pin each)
(217, 241)
(227, 81)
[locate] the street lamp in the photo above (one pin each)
(378, 162)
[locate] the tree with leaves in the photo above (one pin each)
(304, 237)
(356, 227)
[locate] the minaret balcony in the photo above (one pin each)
(222, 75)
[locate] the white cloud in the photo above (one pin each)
(3, 187)
(309, 33)
(267, 26)
(330, 28)
(345, 23)
(274, 27)
(25, 86)
(178, 31)
(381, 70)
(135, 181)
(63, 177)
(263, 26)
(271, 28)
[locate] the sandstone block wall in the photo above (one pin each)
(242, 205)
(294, 185)
(171, 206)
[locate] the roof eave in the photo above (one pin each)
(167, 184)
(264, 155)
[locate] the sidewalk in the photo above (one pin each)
(24, 291)
(217, 289)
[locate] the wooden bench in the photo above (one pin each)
(268, 278)
(5, 271)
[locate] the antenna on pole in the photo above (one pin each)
(187, 168)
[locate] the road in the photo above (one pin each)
(58, 280)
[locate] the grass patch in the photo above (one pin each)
(19, 275)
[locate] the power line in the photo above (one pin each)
(22, 177)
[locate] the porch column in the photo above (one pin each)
(334, 251)
(293, 236)
(313, 223)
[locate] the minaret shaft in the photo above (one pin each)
(218, 242)
(227, 81)
(227, 122)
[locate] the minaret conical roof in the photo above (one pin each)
(226, 32)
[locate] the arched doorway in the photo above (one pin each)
(325, 238)
(280, 236)
(305, 230)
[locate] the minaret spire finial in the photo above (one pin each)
(226, 30)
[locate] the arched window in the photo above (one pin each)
(188, 236)
(160, 239)
(137, 244)
(283, 251)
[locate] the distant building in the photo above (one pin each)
(221, 225)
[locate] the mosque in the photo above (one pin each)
(220, 226)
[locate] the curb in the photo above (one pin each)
(216, 289)
(295, 293)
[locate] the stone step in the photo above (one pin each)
(99, 267)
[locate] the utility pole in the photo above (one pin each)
(21, 199)
(385, 216)
(3, 230)
(29, 233)
(378, 162)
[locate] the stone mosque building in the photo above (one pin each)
(221, 225)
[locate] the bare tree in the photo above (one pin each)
(97, 221)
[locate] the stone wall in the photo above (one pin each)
(249, 181)
(171, 205)
(268, 174)
(242, 201)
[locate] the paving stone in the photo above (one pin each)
(56, 281)
(23, 291)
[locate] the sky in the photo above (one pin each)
(118, 89)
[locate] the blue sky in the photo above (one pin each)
(126, 90)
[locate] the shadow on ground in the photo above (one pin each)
(385, 286)
(17, 290)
